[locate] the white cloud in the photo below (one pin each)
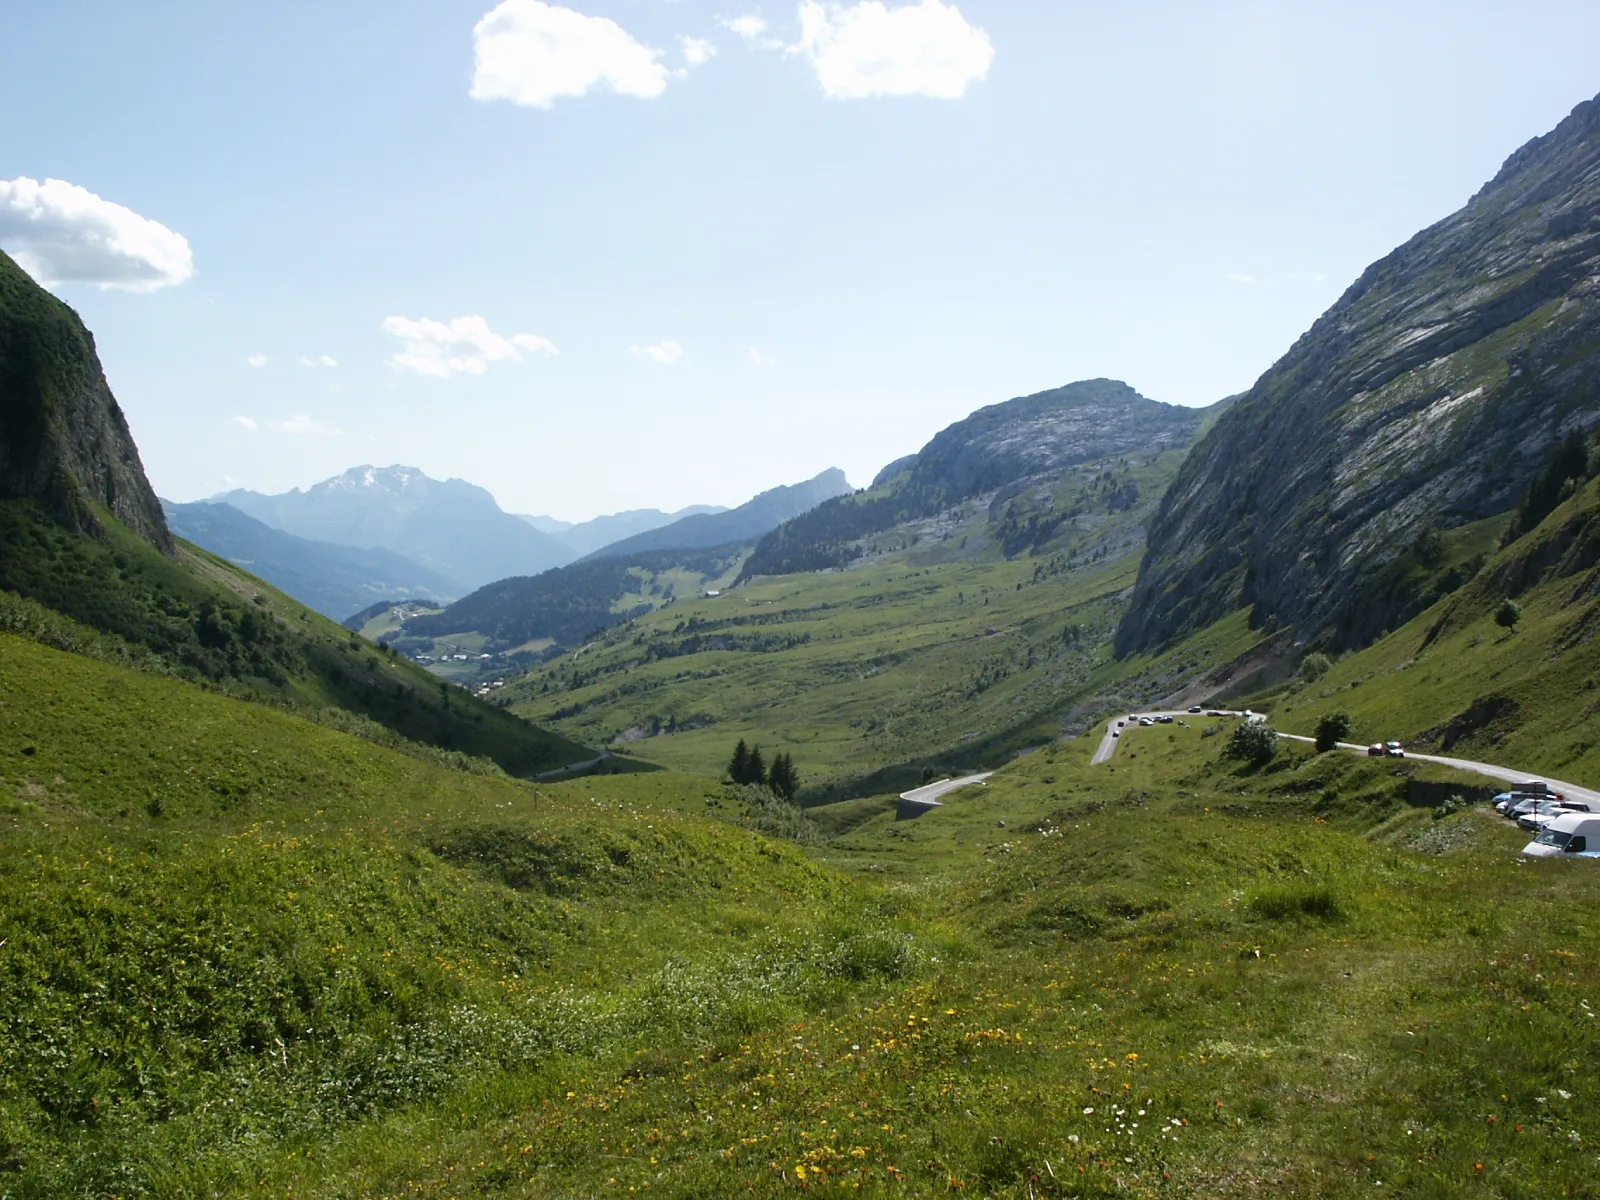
(1237, 277)
(867, 49)
(465, 345)
(758, 359)
(665, 353)
(532, 53)
(750, 27)
(246, 423)
(61, 233)
(753, 30)
(320, 360)
(697, 51)
(303, 425)
(256, 360)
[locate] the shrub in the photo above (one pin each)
(1452, 805)
(1313, 667)
(1508, 614)
(1255, 742)
(1332, 729)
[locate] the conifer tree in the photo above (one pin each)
(739, 768)
(756, 771)
(782, 778)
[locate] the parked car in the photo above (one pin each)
(1394, 749)
(1569, 833)
(1376, 750)
(1146, 721)
(1196, 709)
(1164, 719)
(1506, 801)
(1541, 814)
(1523, 806)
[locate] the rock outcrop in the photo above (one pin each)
(1002, 448)
(64, 442)
(1426, 396)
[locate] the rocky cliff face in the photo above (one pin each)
(1427, 395)
(64, 442)
(1044, 433)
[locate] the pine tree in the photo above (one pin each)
(756, 771)
(782, 778)
(739, 768)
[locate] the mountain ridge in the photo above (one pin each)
(999, 448)
(1429, 393)
(64, 442)
(586, 537)
(749, 521)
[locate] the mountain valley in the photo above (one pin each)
(478, 892)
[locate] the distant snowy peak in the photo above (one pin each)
(387, 479)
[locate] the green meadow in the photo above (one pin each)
(244, 954)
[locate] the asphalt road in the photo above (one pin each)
(1108, 747)
(930, 793)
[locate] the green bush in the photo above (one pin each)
(1314, 666)
(1255, 742)
(1332, 729)
(1508, 614)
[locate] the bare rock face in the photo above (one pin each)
(1002, 449)
(1045, 433)
(1428, 394)
(64, 442)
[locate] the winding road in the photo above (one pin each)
(1120, 725)
(927, 797)
(1109, 743)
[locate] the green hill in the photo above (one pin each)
(337, 581)
(202, 618)
(82, 534)
(320, 968)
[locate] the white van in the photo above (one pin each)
(1575, 833)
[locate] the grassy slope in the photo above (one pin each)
(328, 970)
(222, 924)
(1452, 679)
(216, 622)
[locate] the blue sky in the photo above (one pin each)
(738, 260)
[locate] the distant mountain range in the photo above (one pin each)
(624, 578)
(451, 526)
(585, 537)
(335, 580)
(377, 533)
(746, 523)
